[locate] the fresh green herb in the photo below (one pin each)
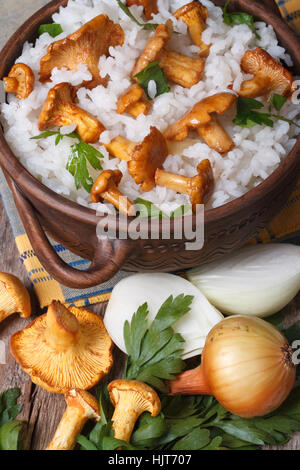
(153, 72)
(80, 154)
(10, 430)
(147, 209)
(200, 423)
(232, 19)
(185, 422)
(247, 117)
(278, 101)
(77, 164)
(52, 29)
(182, 211)
(147, 26)
(154, 354)
(46, 134)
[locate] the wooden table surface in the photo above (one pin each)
(43, 410)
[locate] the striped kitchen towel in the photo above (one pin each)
(285, 227)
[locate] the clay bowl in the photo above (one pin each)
(226, 228)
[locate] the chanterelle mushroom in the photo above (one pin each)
(203, 119)
(14, 297)
(195, 14)
(59, 110)
(180, 69)
(85, 46)
(143, 158)
(199, 188)
(150, 6)
(133, 102)
(20, 81)
(64, 349)
(270, 77)
(130, 399)
(81, 406)
(106, 187)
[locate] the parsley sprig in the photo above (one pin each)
(154, 354)
(146, 26)
(153, 72)
(81, 153)
(10, 430)
(248, 116)
(232, 19)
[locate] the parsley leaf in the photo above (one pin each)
(52, 29)
(46, 134)
(80, 154)
(246, 117)
(147, 209)
(154, 354)
(10, 430)
(278, 101)
(153, 72)
(147, 26)
(232, 19)
(77, 164)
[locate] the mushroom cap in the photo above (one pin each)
(105, 180)
(146, 158)
(59, 110)
(14, 297)
(133, 101)
(85, 46)
(84, 400)
(274, 77)
(195, 14)
(140, 394)
(188, 12)
(202, 185)
(200, 115)
(79, 365)
(150, 6)
(20, 81)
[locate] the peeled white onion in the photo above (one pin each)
(257, 280)
(132, 292)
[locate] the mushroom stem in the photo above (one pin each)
(173, 181)
(215, 136)
(124, 419)
(81, 406)
(62, 327)
(180, 69)
(11, 84)
(121, 148)
(115, 197)
(198, 187)
(131, 398)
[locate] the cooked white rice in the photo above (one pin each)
(258, 150)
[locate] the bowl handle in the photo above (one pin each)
(109, 257)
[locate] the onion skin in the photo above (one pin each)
(246, 364)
